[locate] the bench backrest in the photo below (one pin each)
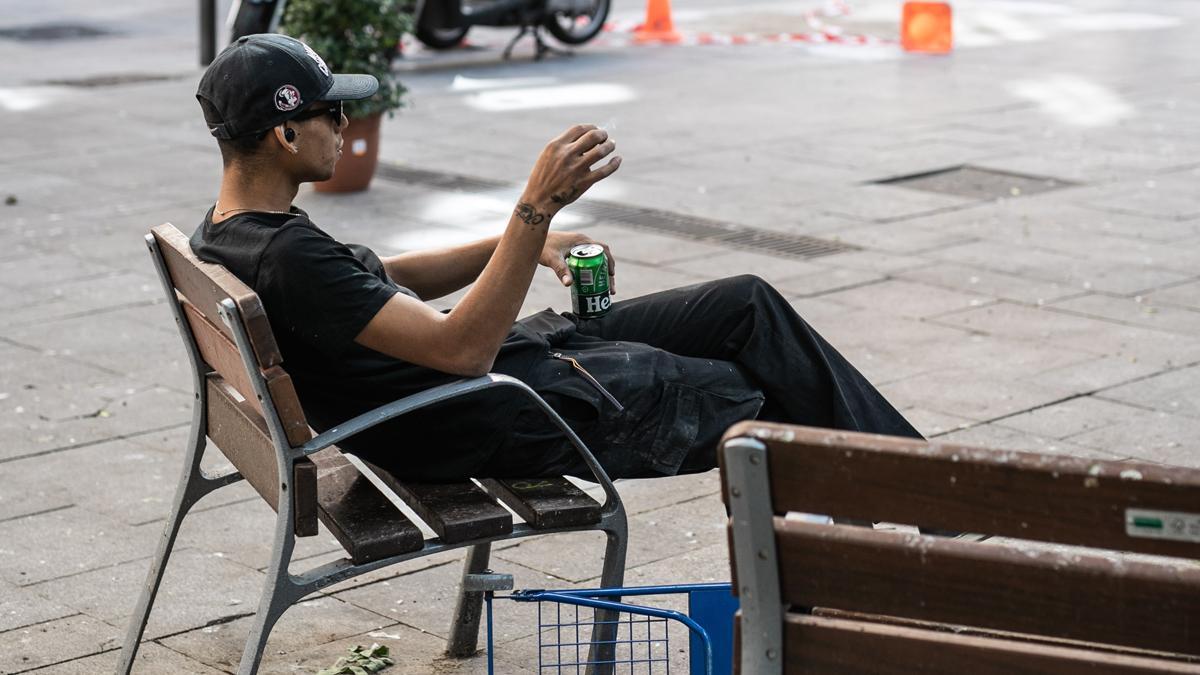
(250, 403)
(839, 598)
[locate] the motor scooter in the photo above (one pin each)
(443, 24)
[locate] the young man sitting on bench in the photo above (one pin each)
(650, 386)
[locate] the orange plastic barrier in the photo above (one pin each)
(927, 27)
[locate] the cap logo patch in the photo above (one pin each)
(287, 98)
(316, 57)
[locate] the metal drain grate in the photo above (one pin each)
(47, 32)
(664, 222)
(976, 182)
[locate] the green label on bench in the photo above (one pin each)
(1175, 525)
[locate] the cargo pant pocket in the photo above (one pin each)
(678, 424)
(691, 423)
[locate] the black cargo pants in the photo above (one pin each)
(672, 371)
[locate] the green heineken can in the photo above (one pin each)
(589, 268)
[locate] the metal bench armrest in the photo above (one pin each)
(452, 390)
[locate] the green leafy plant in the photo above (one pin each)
(361, 661)
(355, 36)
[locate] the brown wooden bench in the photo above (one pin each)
(246, 405)
(1057, 591)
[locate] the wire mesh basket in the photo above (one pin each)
(596, 631)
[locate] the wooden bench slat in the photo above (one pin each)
(1009, 587)
(221, 353)
(362, 519)
(1016, 494)
(206, 285)
(959, 629)
(239, 431)
(545, 502)
(287, 406)
(455, 511)
(836, 646)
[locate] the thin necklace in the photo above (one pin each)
(221, 213)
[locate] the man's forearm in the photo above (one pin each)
(484, 317)
(437, 272)
(465, 340)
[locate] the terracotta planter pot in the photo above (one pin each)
(360, 154)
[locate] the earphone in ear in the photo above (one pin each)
(289, 134)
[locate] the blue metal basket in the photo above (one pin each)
(630, 639)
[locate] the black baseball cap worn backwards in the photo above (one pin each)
(261, 81)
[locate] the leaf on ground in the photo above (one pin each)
(361, 661)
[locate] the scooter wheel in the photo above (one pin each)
(441, 38)
(577, 28)
(437, 38)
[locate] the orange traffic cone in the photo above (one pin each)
(658, 26)
(927, 27)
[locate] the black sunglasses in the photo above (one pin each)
(334, 110)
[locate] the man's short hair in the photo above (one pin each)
(239, 148)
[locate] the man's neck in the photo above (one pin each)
(242, 189)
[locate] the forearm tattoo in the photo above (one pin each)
(565, 198)
(527, 213)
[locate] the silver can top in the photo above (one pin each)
(587, 251)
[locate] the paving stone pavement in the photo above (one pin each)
(1066, 321)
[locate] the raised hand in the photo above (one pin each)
(564, 171)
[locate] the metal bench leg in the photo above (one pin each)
(275, 602)
(279, 591)
(464, 626)
(602, 650)
(192, 486)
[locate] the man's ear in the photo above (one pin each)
(281, 136)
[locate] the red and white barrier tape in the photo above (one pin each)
(818, 31)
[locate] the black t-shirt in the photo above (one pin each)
(318, 295)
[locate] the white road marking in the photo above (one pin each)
(565, 96)
(1075, 100)
(21, 99)
(462, 83)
